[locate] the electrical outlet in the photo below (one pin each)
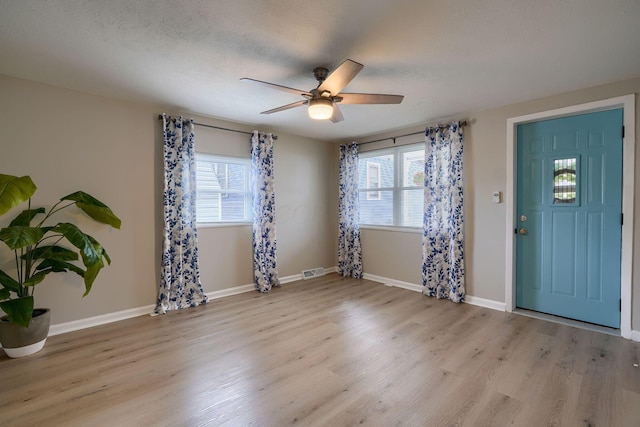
(497, 197)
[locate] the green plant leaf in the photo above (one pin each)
(17, 237)
(81, 241)
(90, 276)
(4, 294)
(94, 208)
(19, 310)
(37, 278)
(25, 217)
(99, 249)
(58, 266)
(92, 272)
(9, 282)
(52, 252)
(14, 190)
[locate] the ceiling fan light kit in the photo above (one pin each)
(320, 108)
(323, 101)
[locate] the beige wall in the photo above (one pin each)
(386, 253)
(66, 141)
(305, 220)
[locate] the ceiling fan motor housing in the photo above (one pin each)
(320, 74)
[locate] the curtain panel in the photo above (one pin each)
(265, 266)
(443, 239)
(349, 249)
(180, 285)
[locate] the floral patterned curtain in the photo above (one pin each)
(349, 250)
(265, 267)
(180, 285)
(443, 240)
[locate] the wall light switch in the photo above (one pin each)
(497, 197)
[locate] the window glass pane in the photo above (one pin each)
(373, 175)
(207, 176)
(390, 196)
(378, 210)
(208, 206)
(384, 164)
(237, 177)
(412, 207)
(222, 189)
(233, 207)
(564, 181)
(222, 174)
(373, 180)
(413, 168)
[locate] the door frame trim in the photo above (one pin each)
(627, 103)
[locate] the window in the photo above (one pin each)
(373, 180)
(223, 190)
(391, 186)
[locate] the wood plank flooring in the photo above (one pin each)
(326, 352)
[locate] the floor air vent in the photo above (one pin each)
(314, 272)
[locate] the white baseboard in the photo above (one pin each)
(231, 291)
(103, 319)
(487, 303)
(635, 336)
(393, 283)
(469, 299)
(289, 279)
(89, 322)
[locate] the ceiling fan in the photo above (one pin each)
(324, 99)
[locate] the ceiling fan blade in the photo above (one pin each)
(337, 114)
(286, 107)
(369, 98)
(279, 87)
(340, 77)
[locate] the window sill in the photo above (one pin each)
(395, 228)
(223, 224)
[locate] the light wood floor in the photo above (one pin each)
(326, 352)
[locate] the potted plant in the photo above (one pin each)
(38, 251)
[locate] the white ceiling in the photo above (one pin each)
(446, 57)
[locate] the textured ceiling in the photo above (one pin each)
(446, 57)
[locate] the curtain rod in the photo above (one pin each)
(221, 128)
(441, 126)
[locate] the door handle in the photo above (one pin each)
(523, 231)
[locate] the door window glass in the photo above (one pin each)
(565, 183)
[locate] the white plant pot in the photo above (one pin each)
(18, 341)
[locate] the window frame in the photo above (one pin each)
(397, 190)
(248, 194)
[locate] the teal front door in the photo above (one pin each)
(569, 217)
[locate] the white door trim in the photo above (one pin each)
(628, 103)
